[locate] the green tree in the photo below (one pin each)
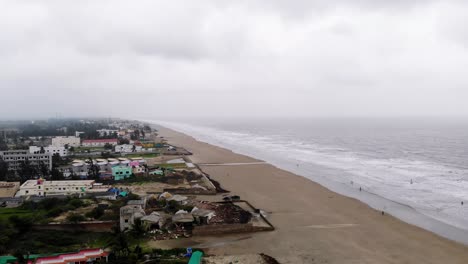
(3, 170)
(123, 141)
(21, 224)
(138, 229)
(75, 218)
(56, 174)
(108, 146)
(119, 243)
(93, 170)
(3, 145)
(20, 259)
(27, 171)
(44, 169)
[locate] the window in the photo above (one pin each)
(27, 191)
(39, 187)
(126, 220)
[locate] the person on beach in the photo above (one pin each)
(360, 189)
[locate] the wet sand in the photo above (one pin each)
(313, 224)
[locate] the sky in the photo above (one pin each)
(261, 58)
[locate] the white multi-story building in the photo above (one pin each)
(62, 151)
(106, 132)
(99, 142)
(14, 158)
(128, 148)
(62, 141)
(42, 187)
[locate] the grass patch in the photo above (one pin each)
(52, 241)
(6, 213)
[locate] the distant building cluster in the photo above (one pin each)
(14, 159)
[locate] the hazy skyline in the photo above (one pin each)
(157, 59)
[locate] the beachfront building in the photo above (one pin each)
(128, 148)
(107, 132)
(14, 159)
(62, 151)
(99, 142)
(121, 172)
(62, 141)
(41, 187)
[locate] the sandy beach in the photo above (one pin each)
(313, 224)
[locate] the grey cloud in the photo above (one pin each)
(232, 57)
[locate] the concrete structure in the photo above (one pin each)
(128, 214)
(62, 141)
(121, 172)
(128, 148)
(107, 132)
(155, 220)
(62, 151)
(42, 187)
(14, 158)
(99, 142)
(138, 169)
(8, 189)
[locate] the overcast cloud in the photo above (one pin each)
(233, 58)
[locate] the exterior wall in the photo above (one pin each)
(98, 143)
(62, 151)
(127, 216)
(121, 173)
(138, 169)
(62, 141)
(209, 230)
(127, 148)
(14, 158)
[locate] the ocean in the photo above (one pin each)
(414, 169)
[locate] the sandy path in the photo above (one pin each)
(314, 225)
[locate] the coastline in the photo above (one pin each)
(313, 223)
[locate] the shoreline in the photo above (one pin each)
(402, 211)
(398, 236)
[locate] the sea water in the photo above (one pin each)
(399, 166)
